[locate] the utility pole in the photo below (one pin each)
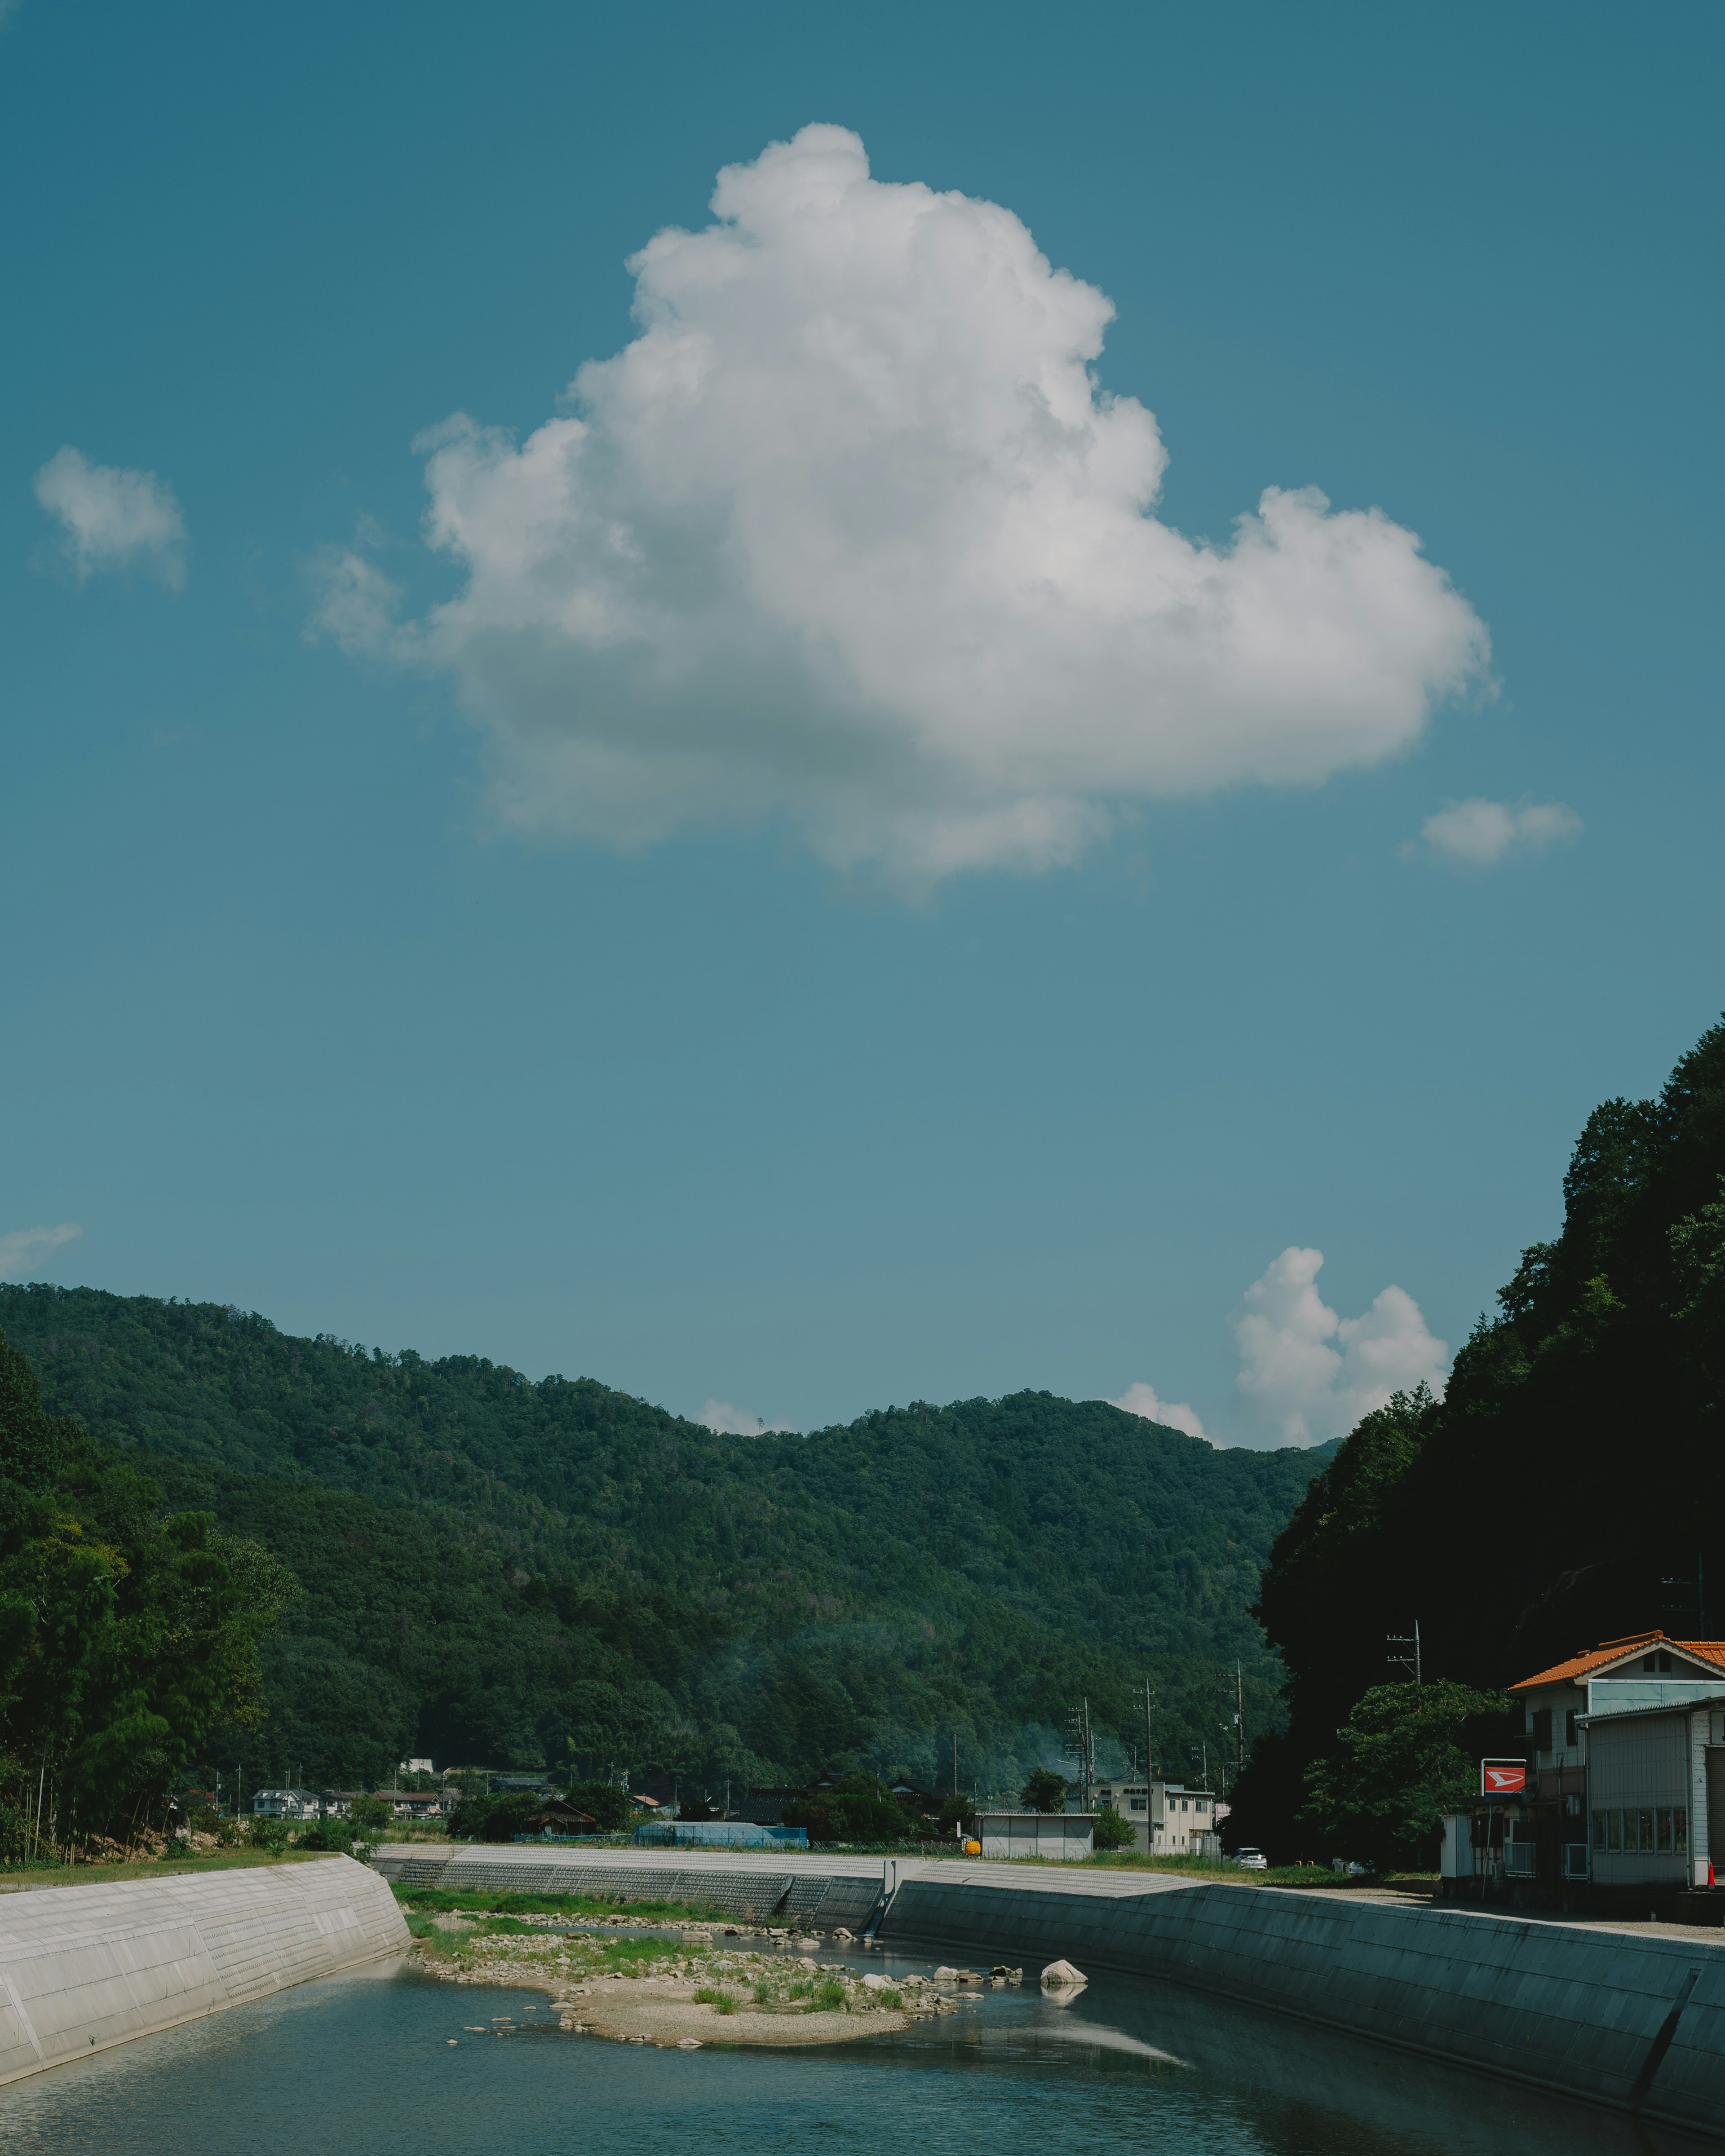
(1146, 1693)
(955, 1760)
(1082, 1746)
(1409, 1662)
(1239, 1721)
(1700, 1584)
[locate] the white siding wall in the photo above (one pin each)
(1640, 1764)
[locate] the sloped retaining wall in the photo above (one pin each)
(1634, 2022)
(759, 1896)
(84, 1967)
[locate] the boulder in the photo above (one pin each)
(1061, 1976)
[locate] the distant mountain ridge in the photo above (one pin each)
(762, 1605)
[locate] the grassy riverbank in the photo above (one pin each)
(16, 1878)
(1222, 1867)
(505, 1901)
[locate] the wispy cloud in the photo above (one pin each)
(1477, 833)
(737, 1422)
(111, 518)
(25, 1249)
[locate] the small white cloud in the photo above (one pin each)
(25, 1249)
(1478, 833)
(1305, 1388)
(357, 606)
(735, 1422)
(851, 537)
(114, 519)
(1174, 1415)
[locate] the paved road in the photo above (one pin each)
(1050, 1878)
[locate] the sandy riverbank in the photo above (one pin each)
(685, 1989)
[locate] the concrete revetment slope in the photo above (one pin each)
(87, 1966)
(1627, 2018)
(1636, 2021)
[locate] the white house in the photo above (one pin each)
(1168, 1819)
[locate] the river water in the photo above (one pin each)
(364, 2063)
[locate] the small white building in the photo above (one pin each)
(1053, 1837)
(1168, 1818)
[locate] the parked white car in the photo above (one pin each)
(1251, 1860)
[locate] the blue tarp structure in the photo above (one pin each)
(720, 1834)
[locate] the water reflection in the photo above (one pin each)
(364, 2060)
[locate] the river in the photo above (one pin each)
(363, 2062)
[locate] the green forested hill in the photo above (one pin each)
(518, 1571)
(1570, 1487)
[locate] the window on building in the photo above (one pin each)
(1141, 1804)
(1679, 1831)
(1643, 1822)
(1662, 1830)
(1598, 1830)
(1542, 1730)
(1614, 1830)
(1572, 1735)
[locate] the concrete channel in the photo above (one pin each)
(1628, 2019)
(85, 1966)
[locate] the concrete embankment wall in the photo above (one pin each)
(755, 1893)
(1634, 2022)
(87, 1966)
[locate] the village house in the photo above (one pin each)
(413, 1803)
(291, 1804)
(1621, 1779)
(1168, 1818)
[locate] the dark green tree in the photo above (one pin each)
(1113, 1830)
(125, 1636)
(1406, 1754)
(1044, 1790)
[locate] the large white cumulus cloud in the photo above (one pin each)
(849, 536)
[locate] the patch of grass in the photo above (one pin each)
(502, 1900)
(892, 1999)
(764, 1994)
(1220, 1867)
(801, 1990)
(827, 1996)
(622, 1953)
(30, 1876)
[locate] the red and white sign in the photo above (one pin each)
(1503, 1777)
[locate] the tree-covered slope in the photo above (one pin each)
(1572, 1480)
(537, 1568)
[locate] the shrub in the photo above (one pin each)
(333, 1834)
(1112, 1831)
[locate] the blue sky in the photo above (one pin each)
(325, 996)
